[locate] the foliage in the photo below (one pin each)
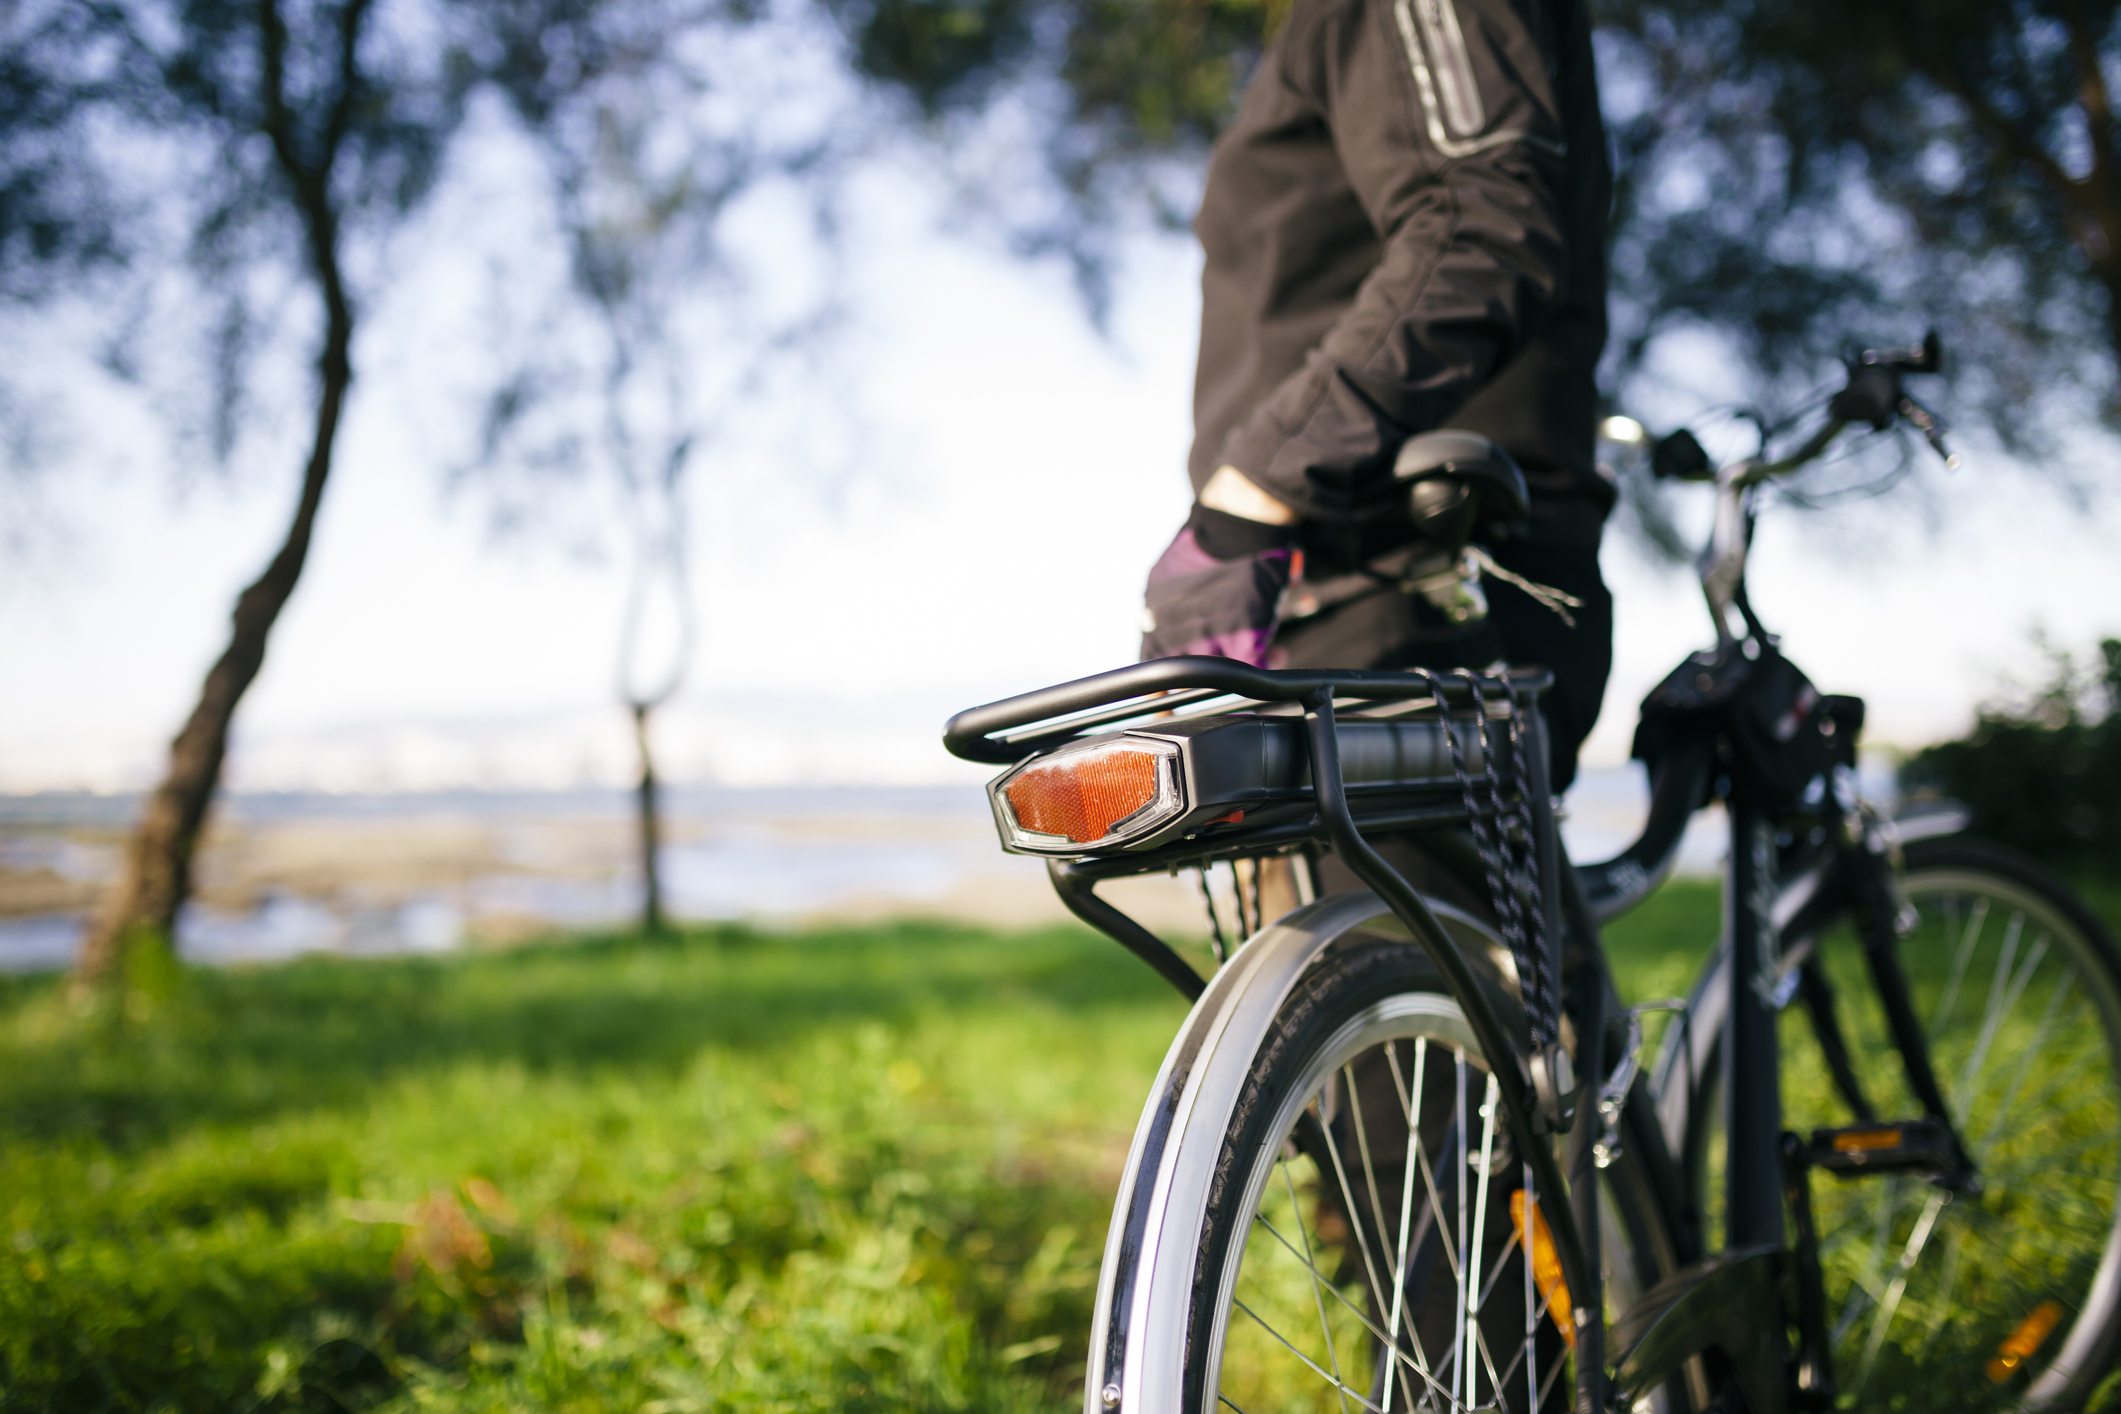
(1794, 179)
(2045, 775)
(1797, 177)
(203, 155)
(1150, 75)
(1123, 98)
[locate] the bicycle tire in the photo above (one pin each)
(1320, 1233)
(1942, 1301)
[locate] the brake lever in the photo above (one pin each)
(1932, 429)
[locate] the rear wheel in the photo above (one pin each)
(2009, 1297)
(1364, 1241)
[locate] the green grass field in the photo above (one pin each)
(856, 1170)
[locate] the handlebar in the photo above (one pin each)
(994, 733)
(1872, 395)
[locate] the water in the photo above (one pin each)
(289, 874)
(522, 863)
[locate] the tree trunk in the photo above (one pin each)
(141, 909)
(652, 921)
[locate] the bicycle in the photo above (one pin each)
(1404, 1152)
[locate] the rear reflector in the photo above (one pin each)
(1085, 796)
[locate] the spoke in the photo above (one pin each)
(1332, 1380)
(1486, 1361)
(1225, 1399)
(1406, 1207)
(1851, 1311)
(1458, 1160)
(1866, 1285)
(1532, 1302)
(1969, 934)
(1325, 1327)
(2003, 992)
(1502, 1259)
(1470, 1284)
(1428, 1175)
(1954, 1249)
(1504, 1378)
(1407, 1364)
(1418, 1363)
(2007, 1106)
(2059, 1161)
(1428, 1179)
(1887, 1309)
(1340, 1174)
(1546, 1385)
(2068, 1073)
(1354, 1310)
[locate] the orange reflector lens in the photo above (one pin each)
(1863, 1141)
(1546, 1267)
(1078, 797)
(2021, 1344)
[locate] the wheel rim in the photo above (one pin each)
(1304, 1306)
(1981, 1294)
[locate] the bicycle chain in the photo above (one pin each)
(1506, 867)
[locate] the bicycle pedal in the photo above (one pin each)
(1902, 1146)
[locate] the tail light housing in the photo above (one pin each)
(1090, 795)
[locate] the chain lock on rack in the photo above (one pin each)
(1505, 839)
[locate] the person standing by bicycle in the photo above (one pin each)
(1403, 230)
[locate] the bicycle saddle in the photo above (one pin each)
(1460, 484)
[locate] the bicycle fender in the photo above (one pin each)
(1731, 1302)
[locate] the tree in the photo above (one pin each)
(649, 142)
(1793, 178)
(319, 129)
(2043, 775)
(1797, 176)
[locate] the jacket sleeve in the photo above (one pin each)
(1444, 116)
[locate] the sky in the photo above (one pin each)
(998, 476)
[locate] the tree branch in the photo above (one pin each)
(351, 18)
(1987, 116)
(2092, 93)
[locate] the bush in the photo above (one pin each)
(2044, 775)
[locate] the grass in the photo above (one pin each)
(849, 1170)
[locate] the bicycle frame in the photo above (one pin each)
(996, 733)
(1731, 1300)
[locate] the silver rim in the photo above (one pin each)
(1333, 1256)
(1984, 1292)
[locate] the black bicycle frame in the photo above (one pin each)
(993, 733)
(1852, 879)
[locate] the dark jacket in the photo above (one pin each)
(1405, 229)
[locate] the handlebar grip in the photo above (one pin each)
(1872, 395)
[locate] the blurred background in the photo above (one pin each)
(802, 373)
(499, 497)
